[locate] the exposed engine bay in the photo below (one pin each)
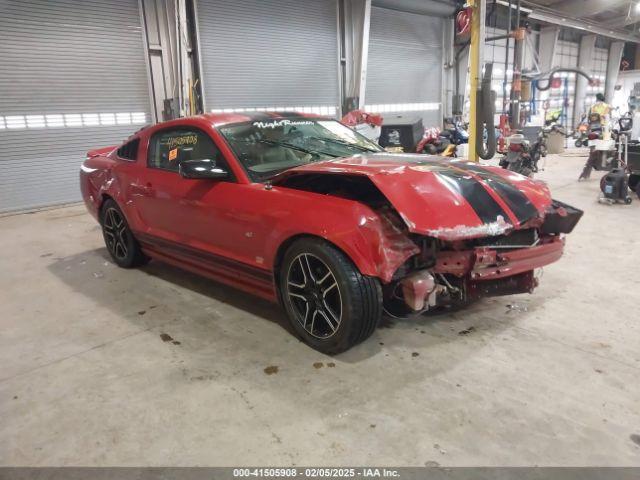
(461, 266)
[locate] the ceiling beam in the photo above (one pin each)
(555, 18)
(586, 8)
(623, 22)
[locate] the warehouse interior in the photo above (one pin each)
(157, 366)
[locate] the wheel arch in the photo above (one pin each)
(285, 244)
(373, 252)
(363, 294)
(103, 198)
(365, 266)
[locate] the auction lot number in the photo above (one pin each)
(315, 472)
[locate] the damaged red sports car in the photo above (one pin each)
(303, 210)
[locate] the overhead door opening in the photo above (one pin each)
(73, 78)
(279, 55)
(404, 70)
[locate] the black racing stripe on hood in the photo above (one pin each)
(517, 201)
(476, 195)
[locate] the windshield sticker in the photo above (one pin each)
(173, 154)
(281, 123)
(182, 140)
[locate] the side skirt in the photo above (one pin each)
(225, 270)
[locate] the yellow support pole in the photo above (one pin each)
(474, 72)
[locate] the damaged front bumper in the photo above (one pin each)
(484, 263)
(461, 275)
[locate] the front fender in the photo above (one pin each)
(375, 241)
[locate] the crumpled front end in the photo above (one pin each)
(443, 232)
(459, 270)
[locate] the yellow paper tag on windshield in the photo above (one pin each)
(173, 154)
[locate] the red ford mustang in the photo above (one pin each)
(302, 210)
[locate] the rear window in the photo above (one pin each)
(129, 151)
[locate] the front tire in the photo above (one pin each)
(330, 304)
(118, 238)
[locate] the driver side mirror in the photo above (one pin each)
(202, 169)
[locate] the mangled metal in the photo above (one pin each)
(446, 232)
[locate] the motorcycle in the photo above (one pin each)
(444, 143)
(434, 142)
(457, 133)
(581, 134)
(522, 157)
(518, 155)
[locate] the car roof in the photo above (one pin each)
(224, 118)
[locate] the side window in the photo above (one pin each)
(129, 151)
(170, 147)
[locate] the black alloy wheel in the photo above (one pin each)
(315, 295)
(116, 234)
(118, 238)
(330, 304)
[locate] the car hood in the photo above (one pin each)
(444, 198)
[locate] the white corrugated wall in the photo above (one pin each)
(73, 78)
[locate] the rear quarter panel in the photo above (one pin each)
(95, 181)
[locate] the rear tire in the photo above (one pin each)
(118, 238)
(330, 304)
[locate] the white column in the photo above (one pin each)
(585, 62)
(547, 47)
(547, 44)
(613, 68)
(356, 16)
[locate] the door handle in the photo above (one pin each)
(146, 190)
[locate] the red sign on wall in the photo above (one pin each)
(463, 25)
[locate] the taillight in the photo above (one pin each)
(515, 147)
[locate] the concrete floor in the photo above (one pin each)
(87, 378)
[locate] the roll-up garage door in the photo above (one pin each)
(72, 78)
(276, 54)
(404, 70)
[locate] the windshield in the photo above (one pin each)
(266, 148)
